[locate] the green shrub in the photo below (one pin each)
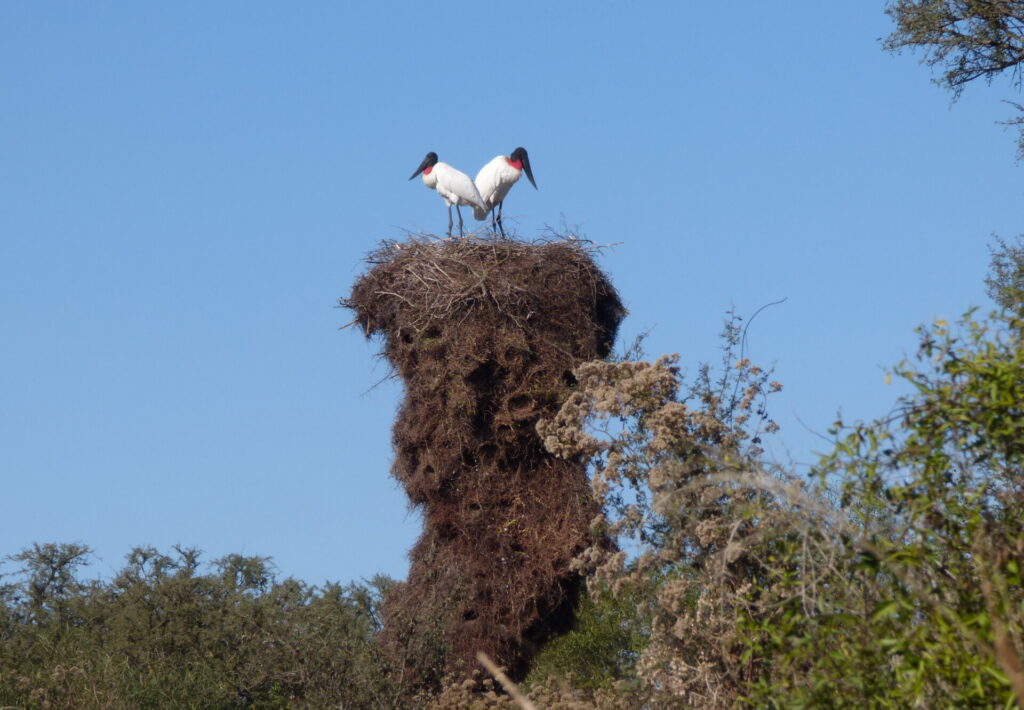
(164, 634)
(890, 578)
(608, 634)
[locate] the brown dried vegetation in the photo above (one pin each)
(485, 334)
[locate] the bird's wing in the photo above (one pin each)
(488, 180)
(462, 186)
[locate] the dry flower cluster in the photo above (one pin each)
(678, 479)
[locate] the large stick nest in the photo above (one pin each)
(485, 333)
(420, 287)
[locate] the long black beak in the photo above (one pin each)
(528, 171)
(423, 166)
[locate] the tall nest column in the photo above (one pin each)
(485, 334)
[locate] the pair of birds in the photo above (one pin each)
(486, 194)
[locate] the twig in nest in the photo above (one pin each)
(511, 688)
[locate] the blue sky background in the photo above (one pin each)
(186, 189)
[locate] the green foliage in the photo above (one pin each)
(891, 578)
(917, 603)
(969, 39)
(163, 634)
(945, 476)
(1005, 283)
(608, 634)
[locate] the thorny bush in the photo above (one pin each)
(677, 469)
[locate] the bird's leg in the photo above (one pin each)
(500, 227)
(450, 220)
(460, 220)
(494, 224)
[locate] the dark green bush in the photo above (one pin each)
(166, 634)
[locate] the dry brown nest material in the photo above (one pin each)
(420, 283)
(485, 333)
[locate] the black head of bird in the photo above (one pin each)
(520, 156)
(429, 162)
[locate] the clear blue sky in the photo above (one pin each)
(187, 188)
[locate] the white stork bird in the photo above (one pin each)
(495, 180)
(454, 186)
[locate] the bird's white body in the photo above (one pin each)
(453, 185)
(493, 182)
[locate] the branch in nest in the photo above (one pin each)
(511, 688)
